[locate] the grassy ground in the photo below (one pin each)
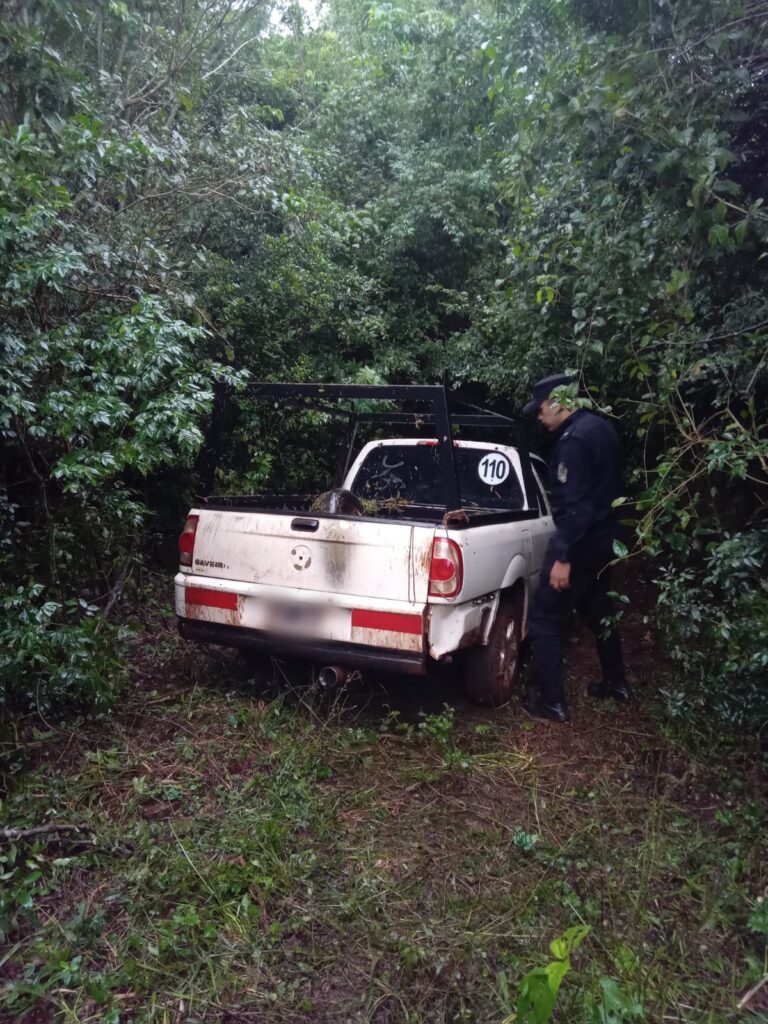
(255, 853)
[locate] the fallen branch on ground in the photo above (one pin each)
(54, 832)
(40, 830)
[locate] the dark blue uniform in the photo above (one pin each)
(585, 479)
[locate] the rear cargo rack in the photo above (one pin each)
(321, 396)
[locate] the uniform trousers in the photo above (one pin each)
(588, 595)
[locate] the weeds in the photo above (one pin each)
(540, 986)
(267, 859)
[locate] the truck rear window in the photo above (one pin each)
(487, 478)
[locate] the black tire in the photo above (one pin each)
(338, 501)
(491, 672)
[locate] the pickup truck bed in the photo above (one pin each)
(390, 590)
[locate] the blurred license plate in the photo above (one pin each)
(298, 619)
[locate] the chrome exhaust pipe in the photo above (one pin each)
(333, 675)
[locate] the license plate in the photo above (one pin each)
(297, 619)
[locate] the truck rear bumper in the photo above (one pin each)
(306, 615)
(329, 652)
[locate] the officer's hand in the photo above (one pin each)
(560, 576)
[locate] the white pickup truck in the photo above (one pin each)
(388, 578)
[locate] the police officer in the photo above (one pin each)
(585, 479)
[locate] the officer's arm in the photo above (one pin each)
(575, 466)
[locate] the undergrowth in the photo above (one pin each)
(250, 855)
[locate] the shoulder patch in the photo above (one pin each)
(562, 472)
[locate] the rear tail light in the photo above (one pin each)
(446, 570)
(187, 541)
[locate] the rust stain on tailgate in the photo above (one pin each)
(388, 638)
(207, 613)
(424, 559)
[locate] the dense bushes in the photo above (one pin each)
(481, 193)
(57, 657)
(714, 617)
(625, 238)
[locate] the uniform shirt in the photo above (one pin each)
(585, 479)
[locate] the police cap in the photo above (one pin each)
(543, 389)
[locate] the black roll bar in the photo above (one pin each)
(439, 416)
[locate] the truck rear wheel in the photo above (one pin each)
(490, 672)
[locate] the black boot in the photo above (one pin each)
(619, 691)
(535, 705)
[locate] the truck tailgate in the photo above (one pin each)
(363, 558)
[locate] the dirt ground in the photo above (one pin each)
(252, 848)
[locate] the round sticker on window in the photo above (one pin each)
(493, 468)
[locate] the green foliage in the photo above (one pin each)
(107, 365)
(57, 656)
(614, 1005)
(439, 727)
(607, 1002)
(621, 233)
(23, 874)
(715, 620)
(539, 988)
(568, 397)
(758, 919)
(524, 840)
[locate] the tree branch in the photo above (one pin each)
(230, 57)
